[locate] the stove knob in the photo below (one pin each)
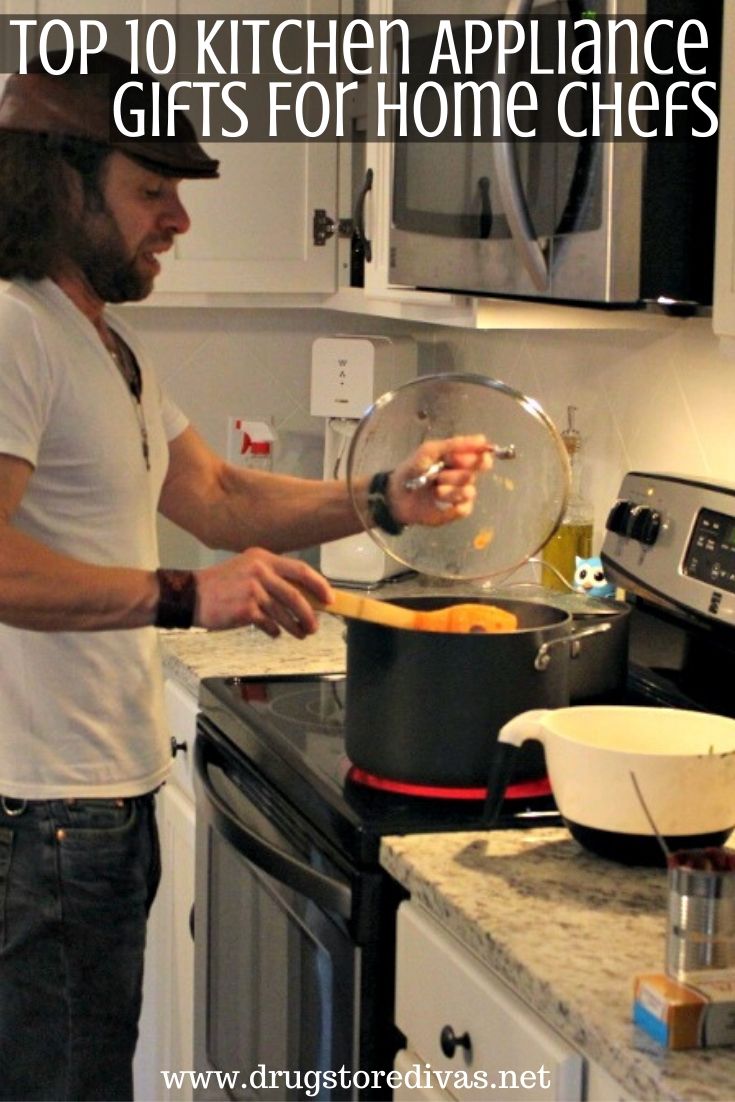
(617, 520)
(645, 525)
(652, 527)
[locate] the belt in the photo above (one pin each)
(14, 807)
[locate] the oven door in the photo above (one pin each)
(284, 991)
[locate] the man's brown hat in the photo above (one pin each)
(80, 106)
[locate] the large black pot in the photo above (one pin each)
(599, 666)
(425, 708)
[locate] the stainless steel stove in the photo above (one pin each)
(670, 543)
(295, 918)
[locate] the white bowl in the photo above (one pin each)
(683, 763)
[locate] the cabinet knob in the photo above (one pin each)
(176, 746)
(449, 1041)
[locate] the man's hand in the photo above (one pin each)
(451, 493)
(260, 588)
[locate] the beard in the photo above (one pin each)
(97, 247)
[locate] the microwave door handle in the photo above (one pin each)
(288, 870)
(518, 216)
(511, 189)
(486, 210)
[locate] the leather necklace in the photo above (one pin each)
(129, 368)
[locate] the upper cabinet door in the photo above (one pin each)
(252, 229)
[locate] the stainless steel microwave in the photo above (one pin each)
(590, 221)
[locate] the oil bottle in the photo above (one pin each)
(573, 538)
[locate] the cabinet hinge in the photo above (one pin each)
(326, 227)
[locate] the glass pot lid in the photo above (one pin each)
(520, 501)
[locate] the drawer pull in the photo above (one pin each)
(450, 1042)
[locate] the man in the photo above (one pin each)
(90, 450)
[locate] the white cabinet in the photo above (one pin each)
(166, 1026)
(469, 1036)
(252, 230)
(475, 1033)
(724, 304)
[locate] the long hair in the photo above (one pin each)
(34, 198)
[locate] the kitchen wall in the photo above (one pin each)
(652, 400)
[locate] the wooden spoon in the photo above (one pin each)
(454, 618)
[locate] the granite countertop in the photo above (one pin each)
(567, 931)
(189, 656)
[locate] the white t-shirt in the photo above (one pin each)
(81, 713)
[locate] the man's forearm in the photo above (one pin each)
(42, 590)
(277, 512)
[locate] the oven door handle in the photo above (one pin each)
(322, 890)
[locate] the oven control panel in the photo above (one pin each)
(673, 537)
(710, 556)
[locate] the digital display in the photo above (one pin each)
(710, 556)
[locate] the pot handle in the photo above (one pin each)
(542, 659)
(517, 730)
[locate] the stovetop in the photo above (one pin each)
(669, 541)
(291, 729)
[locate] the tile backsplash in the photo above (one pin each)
(654, 400)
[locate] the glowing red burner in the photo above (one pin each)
(525, 790)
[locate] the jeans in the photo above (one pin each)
(77, 879)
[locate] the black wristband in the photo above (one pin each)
(379, 507)
(177, 598)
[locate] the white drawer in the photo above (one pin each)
(413, 1073)
(181, 713)
(439, 984)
